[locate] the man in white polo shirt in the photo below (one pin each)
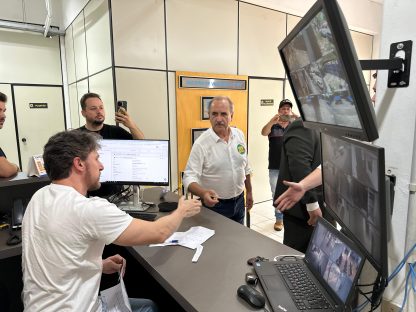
(217, 170)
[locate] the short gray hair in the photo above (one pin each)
(222, 98)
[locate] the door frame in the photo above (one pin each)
(13, 85)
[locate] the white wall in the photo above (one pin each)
(361, 15)
(30, 11)
(396, 116)
(70, 9)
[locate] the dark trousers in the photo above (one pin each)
(297, 233)
(232, 208)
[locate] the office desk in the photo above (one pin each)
(211, 283)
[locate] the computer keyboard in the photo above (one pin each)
(305, 293)
(143, 215)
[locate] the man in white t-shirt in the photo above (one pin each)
(217, 170)
(64, 232)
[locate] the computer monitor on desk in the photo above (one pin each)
(355, 194)
(135, 162)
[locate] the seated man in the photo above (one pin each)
(7, 169)
(64, 232)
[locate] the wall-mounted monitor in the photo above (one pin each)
(354, 187)
(325, 74)
(135, 162)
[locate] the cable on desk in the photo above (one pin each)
(380, 284)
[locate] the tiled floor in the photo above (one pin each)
(262, 220)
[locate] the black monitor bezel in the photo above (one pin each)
(382, 266)
(141, 182)
(347, 56)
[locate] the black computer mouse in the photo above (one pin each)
(252, 296)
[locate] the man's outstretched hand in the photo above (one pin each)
(290, 197)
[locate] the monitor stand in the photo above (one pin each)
(136, 205)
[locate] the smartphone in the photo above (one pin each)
(121, 104)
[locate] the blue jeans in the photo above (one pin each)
(273, 176)
(142, 305)
(138, 305)
(231, 208)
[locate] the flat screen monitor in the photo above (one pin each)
(135, 162)
(325, 74)
(355, 194)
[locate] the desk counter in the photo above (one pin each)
(211, 283)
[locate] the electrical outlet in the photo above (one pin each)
(389, 306)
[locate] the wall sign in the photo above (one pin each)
(211, 83)
(266, 102)
(38, 105)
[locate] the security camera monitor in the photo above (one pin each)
(354, 187)
(135, 162)
(325, 74)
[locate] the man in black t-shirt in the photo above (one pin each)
(7, 169)
(92, 108)
(275, 129)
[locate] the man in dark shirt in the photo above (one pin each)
(300, 156)
(94, 114)
(7, 169)
(274, 129)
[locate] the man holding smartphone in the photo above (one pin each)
(94, 114)
(275, 129)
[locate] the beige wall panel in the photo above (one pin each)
(102, 84)
(139, 33)
(363, 44)
(258, 145)
(82, 88)
(69, 55)
(173, 135)
(8, 133)
(292, 20)
(78, 33)
(261, 31)
(202, 35)
(97, 32)
(74, 107)
(29, 58)
(146, 94)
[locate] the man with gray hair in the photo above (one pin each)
(217, 170)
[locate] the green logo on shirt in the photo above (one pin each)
(241, 149)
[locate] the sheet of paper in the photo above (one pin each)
(115, 298)
(198, 253)
(196, 236)
(192, 238)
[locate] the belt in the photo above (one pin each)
(227, 200)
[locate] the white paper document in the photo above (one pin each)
(198, 253)
(115, 298)
(192, 238)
